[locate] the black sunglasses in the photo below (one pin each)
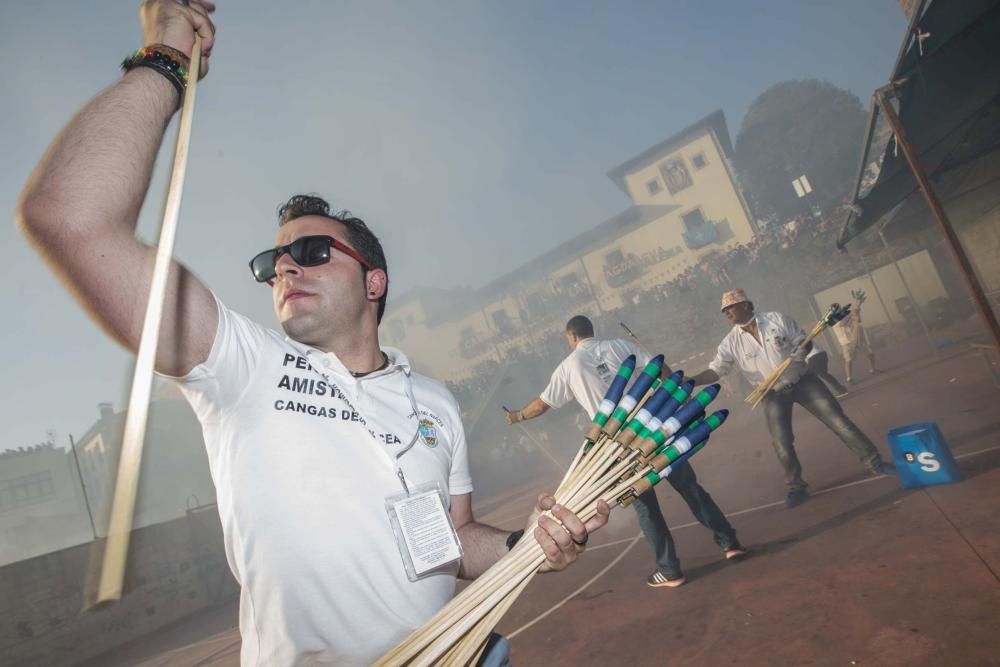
(305, 251)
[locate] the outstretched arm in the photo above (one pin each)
(707, 376)
(536, 408)
(721, 365)
(80, 206)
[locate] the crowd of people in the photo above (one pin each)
(790, 249)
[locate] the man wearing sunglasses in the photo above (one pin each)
(314, 436)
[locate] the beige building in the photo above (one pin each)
(686, 206)
(52, 498)
(41, 505)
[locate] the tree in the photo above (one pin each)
(799, 127)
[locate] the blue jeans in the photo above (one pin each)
(704, 509)
(819, 364)
(814, 396)
(496, 653)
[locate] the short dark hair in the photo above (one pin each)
(581, 326)
(359, 235)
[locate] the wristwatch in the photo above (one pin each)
(513, 538)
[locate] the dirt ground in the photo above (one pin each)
(864, 573)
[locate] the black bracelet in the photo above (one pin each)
(513, 538)
(157, 60)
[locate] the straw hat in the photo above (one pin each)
(733, 297)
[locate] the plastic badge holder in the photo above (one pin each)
(425, 534)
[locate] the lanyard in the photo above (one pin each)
(392, 461)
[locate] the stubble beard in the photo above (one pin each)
(319, 328)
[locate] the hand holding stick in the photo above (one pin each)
(633, 444)
(835, 314)
(638, 342)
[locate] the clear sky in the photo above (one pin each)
(471, 136)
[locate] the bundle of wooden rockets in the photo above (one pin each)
(637, 438)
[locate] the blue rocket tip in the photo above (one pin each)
(629, 361)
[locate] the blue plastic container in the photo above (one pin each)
(922, 456)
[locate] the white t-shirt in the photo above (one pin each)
(587, 372)
(779, 333)
(301, 486)
(848, 330)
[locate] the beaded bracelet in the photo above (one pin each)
(168, 61)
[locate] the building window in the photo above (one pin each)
(699, 161)
(693, 220)
(26, 490)
(653, 186)
(675, 175)
(502, 321)
(698, 232)
(470, 345)
(568, 282)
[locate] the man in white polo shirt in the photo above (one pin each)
(585, 376)
(320, 441)
(756, 345)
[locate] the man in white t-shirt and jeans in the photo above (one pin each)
(310, 434)
(756, 345)
(585, 376)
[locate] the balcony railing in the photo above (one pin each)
(701, 236)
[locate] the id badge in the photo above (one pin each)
(605, 373)
(425, 535)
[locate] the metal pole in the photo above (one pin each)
(83, 487)
(939, 215)
(871, 277)
(984, 350)
(906, 286)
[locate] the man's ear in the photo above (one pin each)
(376, 283)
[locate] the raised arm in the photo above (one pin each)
(80, 206)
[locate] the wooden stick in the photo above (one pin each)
(456, 629)
(595, 474)
(481, 633)
(592, 464)
(666, 366)
(439, 634)
(595, 454)
(576, 460)
(761, 390)
(456, 632)
(542, 448)
(521, 555)
(469, 606)
(112, 576)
